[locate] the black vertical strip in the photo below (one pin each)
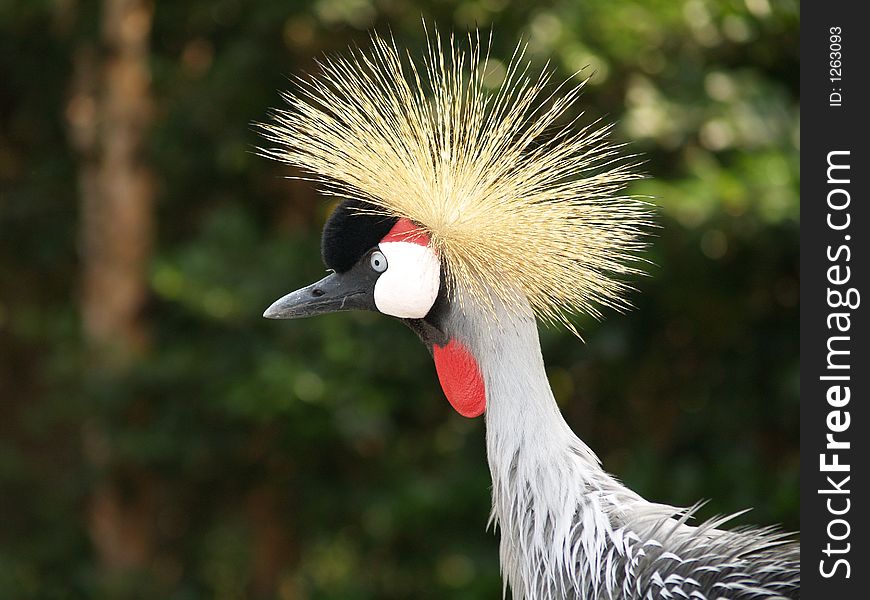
(835, 369)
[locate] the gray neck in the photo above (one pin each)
(544, 477)
(523, 420)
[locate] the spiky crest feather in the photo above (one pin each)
(514, 200)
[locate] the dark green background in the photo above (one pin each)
(318, 458)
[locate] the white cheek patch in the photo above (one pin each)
(409, 286)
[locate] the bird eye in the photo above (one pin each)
(379, 261)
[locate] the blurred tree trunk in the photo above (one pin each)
(109, 114)
(117, 191)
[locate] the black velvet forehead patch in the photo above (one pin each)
(347, 235)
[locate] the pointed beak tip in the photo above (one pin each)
(273, 312)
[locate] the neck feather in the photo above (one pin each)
(554, 504)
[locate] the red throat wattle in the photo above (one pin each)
(460, 378)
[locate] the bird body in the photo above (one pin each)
(469, 213)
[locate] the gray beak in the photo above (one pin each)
(353, 290)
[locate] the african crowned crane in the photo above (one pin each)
(467, 213)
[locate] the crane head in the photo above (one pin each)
(457, 182)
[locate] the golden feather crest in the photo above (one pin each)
(514, 199)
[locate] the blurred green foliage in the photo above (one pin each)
(318, 459)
